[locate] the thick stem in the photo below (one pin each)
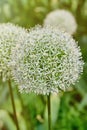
(13, 104)
(49, 112)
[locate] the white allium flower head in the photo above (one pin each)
(48, 61)
(61, 19)
(10, 35)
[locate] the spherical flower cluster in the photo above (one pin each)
(48, 61)
(10, 35)
(61, 19)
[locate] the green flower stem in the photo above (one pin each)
(49, 112)
(13, 104)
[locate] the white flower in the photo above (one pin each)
(61, 19)
(10, 35)
(48, 61)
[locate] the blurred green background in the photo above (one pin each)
(69, 109)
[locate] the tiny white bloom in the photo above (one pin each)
(61, 19)
(51, 63)
(10, 36)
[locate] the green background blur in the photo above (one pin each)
(69, 109)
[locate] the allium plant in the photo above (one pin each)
(10, 35)
(48, 61)
(61, 19)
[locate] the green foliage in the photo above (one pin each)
(6, 121)
(69, 112)
(71, 116)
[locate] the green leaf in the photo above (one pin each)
(6, 120)
(55, 104)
